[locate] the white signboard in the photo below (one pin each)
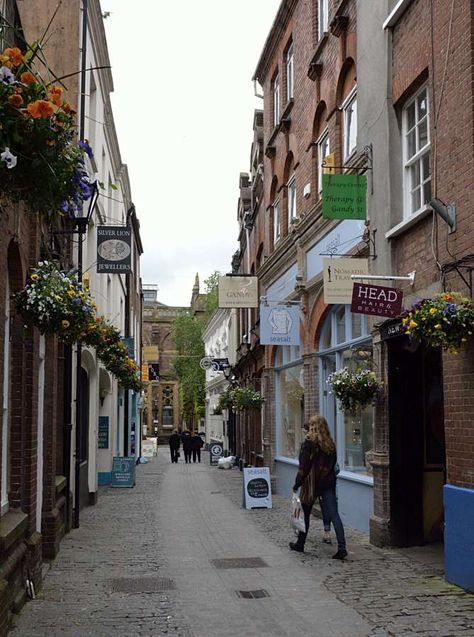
(257, 488)
(238, 291)
(148, 449)
(337, 278)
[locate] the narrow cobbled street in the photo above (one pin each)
(179, 555)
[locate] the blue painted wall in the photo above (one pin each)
(459, 536)
(104, 477)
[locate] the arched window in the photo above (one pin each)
(347, 100)
(289, 400)
(345, 342)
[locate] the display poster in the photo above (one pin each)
(257, 491)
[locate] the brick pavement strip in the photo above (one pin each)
(119, 545)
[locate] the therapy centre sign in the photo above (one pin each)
(376, 300)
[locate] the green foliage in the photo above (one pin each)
(446, 320)
(212, 293)
(354, 389)
(186, 332)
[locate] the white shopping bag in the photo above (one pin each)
(297, 515)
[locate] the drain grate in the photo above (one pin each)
(258, 594)
(239, 562)
(142, 584)
(215, 492)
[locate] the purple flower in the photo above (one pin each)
(84, 145)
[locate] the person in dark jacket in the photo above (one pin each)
(317, 478)
(174, 442)
(196, 445)
(186, 440)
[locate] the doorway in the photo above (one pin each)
(417, 446)
(84, 442)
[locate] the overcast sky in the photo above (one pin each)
(183, 106)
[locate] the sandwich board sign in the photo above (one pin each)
(123, 471)
(257, 492)
(216, 450)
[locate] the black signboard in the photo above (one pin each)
(103, 433)
(220, 364)
(216, 450)
(123, 472)
(114, 250)
(391, 329)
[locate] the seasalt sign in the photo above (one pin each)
(376, 300)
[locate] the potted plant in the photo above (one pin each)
(245, 398)
(355, 389)
(446, 320)
(40, 162)
(55, 304)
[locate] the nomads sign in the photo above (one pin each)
(238, 291)
(337, 280)
(376, 300)
(344, 196)
(114, 250)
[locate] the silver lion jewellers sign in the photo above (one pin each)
(376, 300)
(114, 249)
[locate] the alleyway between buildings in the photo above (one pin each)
(178, 555)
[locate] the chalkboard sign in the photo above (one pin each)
(103, 433)
(257, 492)
(123, 472)
(215, 452)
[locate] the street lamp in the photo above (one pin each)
(80, 226)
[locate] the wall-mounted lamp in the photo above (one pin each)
(102, 395)
(446, 212)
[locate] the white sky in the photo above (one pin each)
(183, 107)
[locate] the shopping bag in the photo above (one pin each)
(297, 515)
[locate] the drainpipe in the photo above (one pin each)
(126, 419)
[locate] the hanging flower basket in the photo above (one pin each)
(355, 389)
(245, 398)
(446, 320)
(54, 303)
(40, 163)
(225, 400)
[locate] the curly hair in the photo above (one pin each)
(318, 432)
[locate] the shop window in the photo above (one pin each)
(416, 150)
(345, 342)
(289, 401)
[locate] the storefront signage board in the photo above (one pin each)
(279, 324)
(376, 300)
(344, 196)
(238, 291)
(103, 432)
(216, 451)
(114, 250)
(123, 472)
(257, 490)
(337, 278)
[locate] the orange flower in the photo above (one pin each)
(55, 93)
(14, 56)
(27, 78)
(15, 100)
(40, 108)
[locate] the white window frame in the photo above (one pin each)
(290, 70)
(276, 221)
(276, 100)
(291, 199)
(347, 107)
(6, 401)
(418, 156)
(323, 17)
(324, 149)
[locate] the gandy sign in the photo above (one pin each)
(376, 300)
(238, 291)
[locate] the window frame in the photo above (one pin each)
(350, 100)
(291, 190)
(290, 72)
(276, 99)
(286, 358)
(276, 221)
(323, 24)
(324, 137)
(418, 156)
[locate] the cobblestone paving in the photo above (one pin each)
(78, 598)
(398, 590)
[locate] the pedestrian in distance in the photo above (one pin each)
(186, 440)
(196, 446)
(174, 442)
(317, 477)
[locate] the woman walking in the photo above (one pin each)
(317, 478)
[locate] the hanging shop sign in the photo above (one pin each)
(337, 278)
(279, 324)
(344, 196)
(150, 352)
(257, 490)
(238, 291)
(377, 300)
(114, 250)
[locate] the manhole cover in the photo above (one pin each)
(258, 594)
(239, 562)
(142, 584)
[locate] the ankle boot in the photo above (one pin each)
(299, 544)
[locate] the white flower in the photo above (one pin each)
(8, 158)
(6, 76)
